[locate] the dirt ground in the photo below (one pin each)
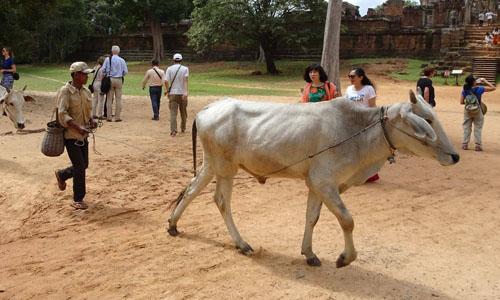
(422, 231)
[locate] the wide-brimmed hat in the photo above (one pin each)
(80, 66)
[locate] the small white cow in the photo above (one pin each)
(266, 139)
(12, 102)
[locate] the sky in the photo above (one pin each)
(365, 4)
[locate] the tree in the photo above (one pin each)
(268, 23)
(331, 44)
(42, 30)
(135, 13)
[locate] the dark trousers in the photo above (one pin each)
(155, 95)
(79, 155)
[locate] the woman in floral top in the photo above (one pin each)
(318, 87)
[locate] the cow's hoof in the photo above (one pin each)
(341, 261)
(314, 261)
(246, 249)
(172, 230)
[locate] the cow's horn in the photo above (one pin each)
(24, 88)
(413, 99)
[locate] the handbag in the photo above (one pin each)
(484, 108)
(53, 140)
(15, 76)
(106, 80)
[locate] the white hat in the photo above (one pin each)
(80, 66)
(177, 57)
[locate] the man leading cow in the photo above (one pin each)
(74, 103)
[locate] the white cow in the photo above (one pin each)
(275, 140)
(12, 102)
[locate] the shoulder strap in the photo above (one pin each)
(157, 73)
(109, 73)
(172, 82)
(95, 75)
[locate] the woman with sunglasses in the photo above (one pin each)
(362, 93)
(8, 68)
(318, 87)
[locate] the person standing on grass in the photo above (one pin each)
(155, 76)
(362, 93)
(74, 103)
(8, 68)
(115, 67)
(177, 76)
(425, 85)
(477, 118)
(318, 88)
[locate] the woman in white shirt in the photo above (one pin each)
(361, 90)
(362, 93)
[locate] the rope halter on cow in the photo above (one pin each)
(383, 120)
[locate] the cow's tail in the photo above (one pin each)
(176, 202)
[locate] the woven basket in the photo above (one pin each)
(53, 140)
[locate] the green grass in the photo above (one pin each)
(412, 73)
(206, 79)
(218, 78)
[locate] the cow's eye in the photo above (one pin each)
(11, 104)
(429, 121)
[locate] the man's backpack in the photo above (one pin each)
(472, 105)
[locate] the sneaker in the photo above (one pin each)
(119, 120)
(479, 148)
(465, 147)
(155, 119)
(109, 120)
(79, 205)
(173, 133)
(61, 184)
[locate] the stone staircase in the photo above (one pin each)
(485, 67)
(474, 48)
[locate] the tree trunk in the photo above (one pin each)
(270, 66)
(158, 49)
(331, 42)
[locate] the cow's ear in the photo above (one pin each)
(420, 127)
(2, 101)
(29, 98)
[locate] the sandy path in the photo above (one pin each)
(422, 232)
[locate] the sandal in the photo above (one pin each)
(465, 146)
(61, 184)
(79, 205)
(478, 148)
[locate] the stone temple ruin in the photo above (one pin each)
(444, 29)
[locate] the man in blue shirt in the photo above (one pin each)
(116, 70)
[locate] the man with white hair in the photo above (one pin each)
(177, 76)
(114, 67)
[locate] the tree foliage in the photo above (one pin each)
(268, 23)
(42, 30)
